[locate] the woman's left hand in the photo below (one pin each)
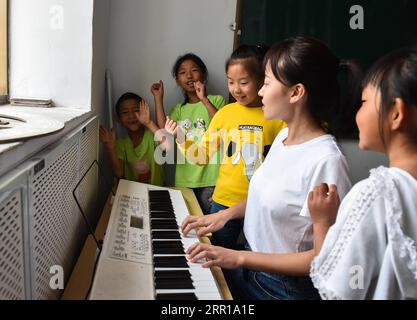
(216, 256)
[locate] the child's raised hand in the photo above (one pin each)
(171, 127)
(108, 138)
(323, 203)
(200, 89)
(144, 115)
(157, 89)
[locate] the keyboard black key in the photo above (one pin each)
(167, 244)
(161, 206)
(164, 225)
(158, 192)
(178, 284)
(162, 215)
(163, 201)
(166, 235)
(172, 274)
(164, 220)
(167, 228)
(168, 250)
(170, 262)
(176, 296)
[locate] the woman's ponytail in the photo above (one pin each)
(350, 79)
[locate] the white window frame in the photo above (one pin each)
(4, 65)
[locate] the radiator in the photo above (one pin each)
(40, 223)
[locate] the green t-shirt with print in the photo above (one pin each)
(139, 163)
(194, 120)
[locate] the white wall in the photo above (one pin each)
(147, 36)
(51, 50)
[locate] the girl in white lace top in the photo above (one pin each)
(370, 251)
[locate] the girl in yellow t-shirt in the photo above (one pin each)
(241, 134)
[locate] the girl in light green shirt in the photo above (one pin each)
(194, 116)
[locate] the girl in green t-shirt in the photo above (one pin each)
(132, 157)
(193, 116)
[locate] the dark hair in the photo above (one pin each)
(395, 76)
(127, 96)
(251, 56)
(308, 61)
(196, 59)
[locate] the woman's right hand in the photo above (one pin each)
(157, 90)
(108, 138)
(206, 224)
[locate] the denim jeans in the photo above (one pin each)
(246, 284)
(227, 236)
(204, 198)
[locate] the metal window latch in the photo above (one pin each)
(233, 27)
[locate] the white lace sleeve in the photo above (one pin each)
(348, 260)
(369, 236)
(403, 248)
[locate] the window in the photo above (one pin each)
(50, 51)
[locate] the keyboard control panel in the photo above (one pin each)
(130, 237)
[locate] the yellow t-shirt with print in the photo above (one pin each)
(244, 137)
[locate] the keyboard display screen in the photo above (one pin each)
(136, 222)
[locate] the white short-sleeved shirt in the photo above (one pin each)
(277, 218)
(371, 252)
